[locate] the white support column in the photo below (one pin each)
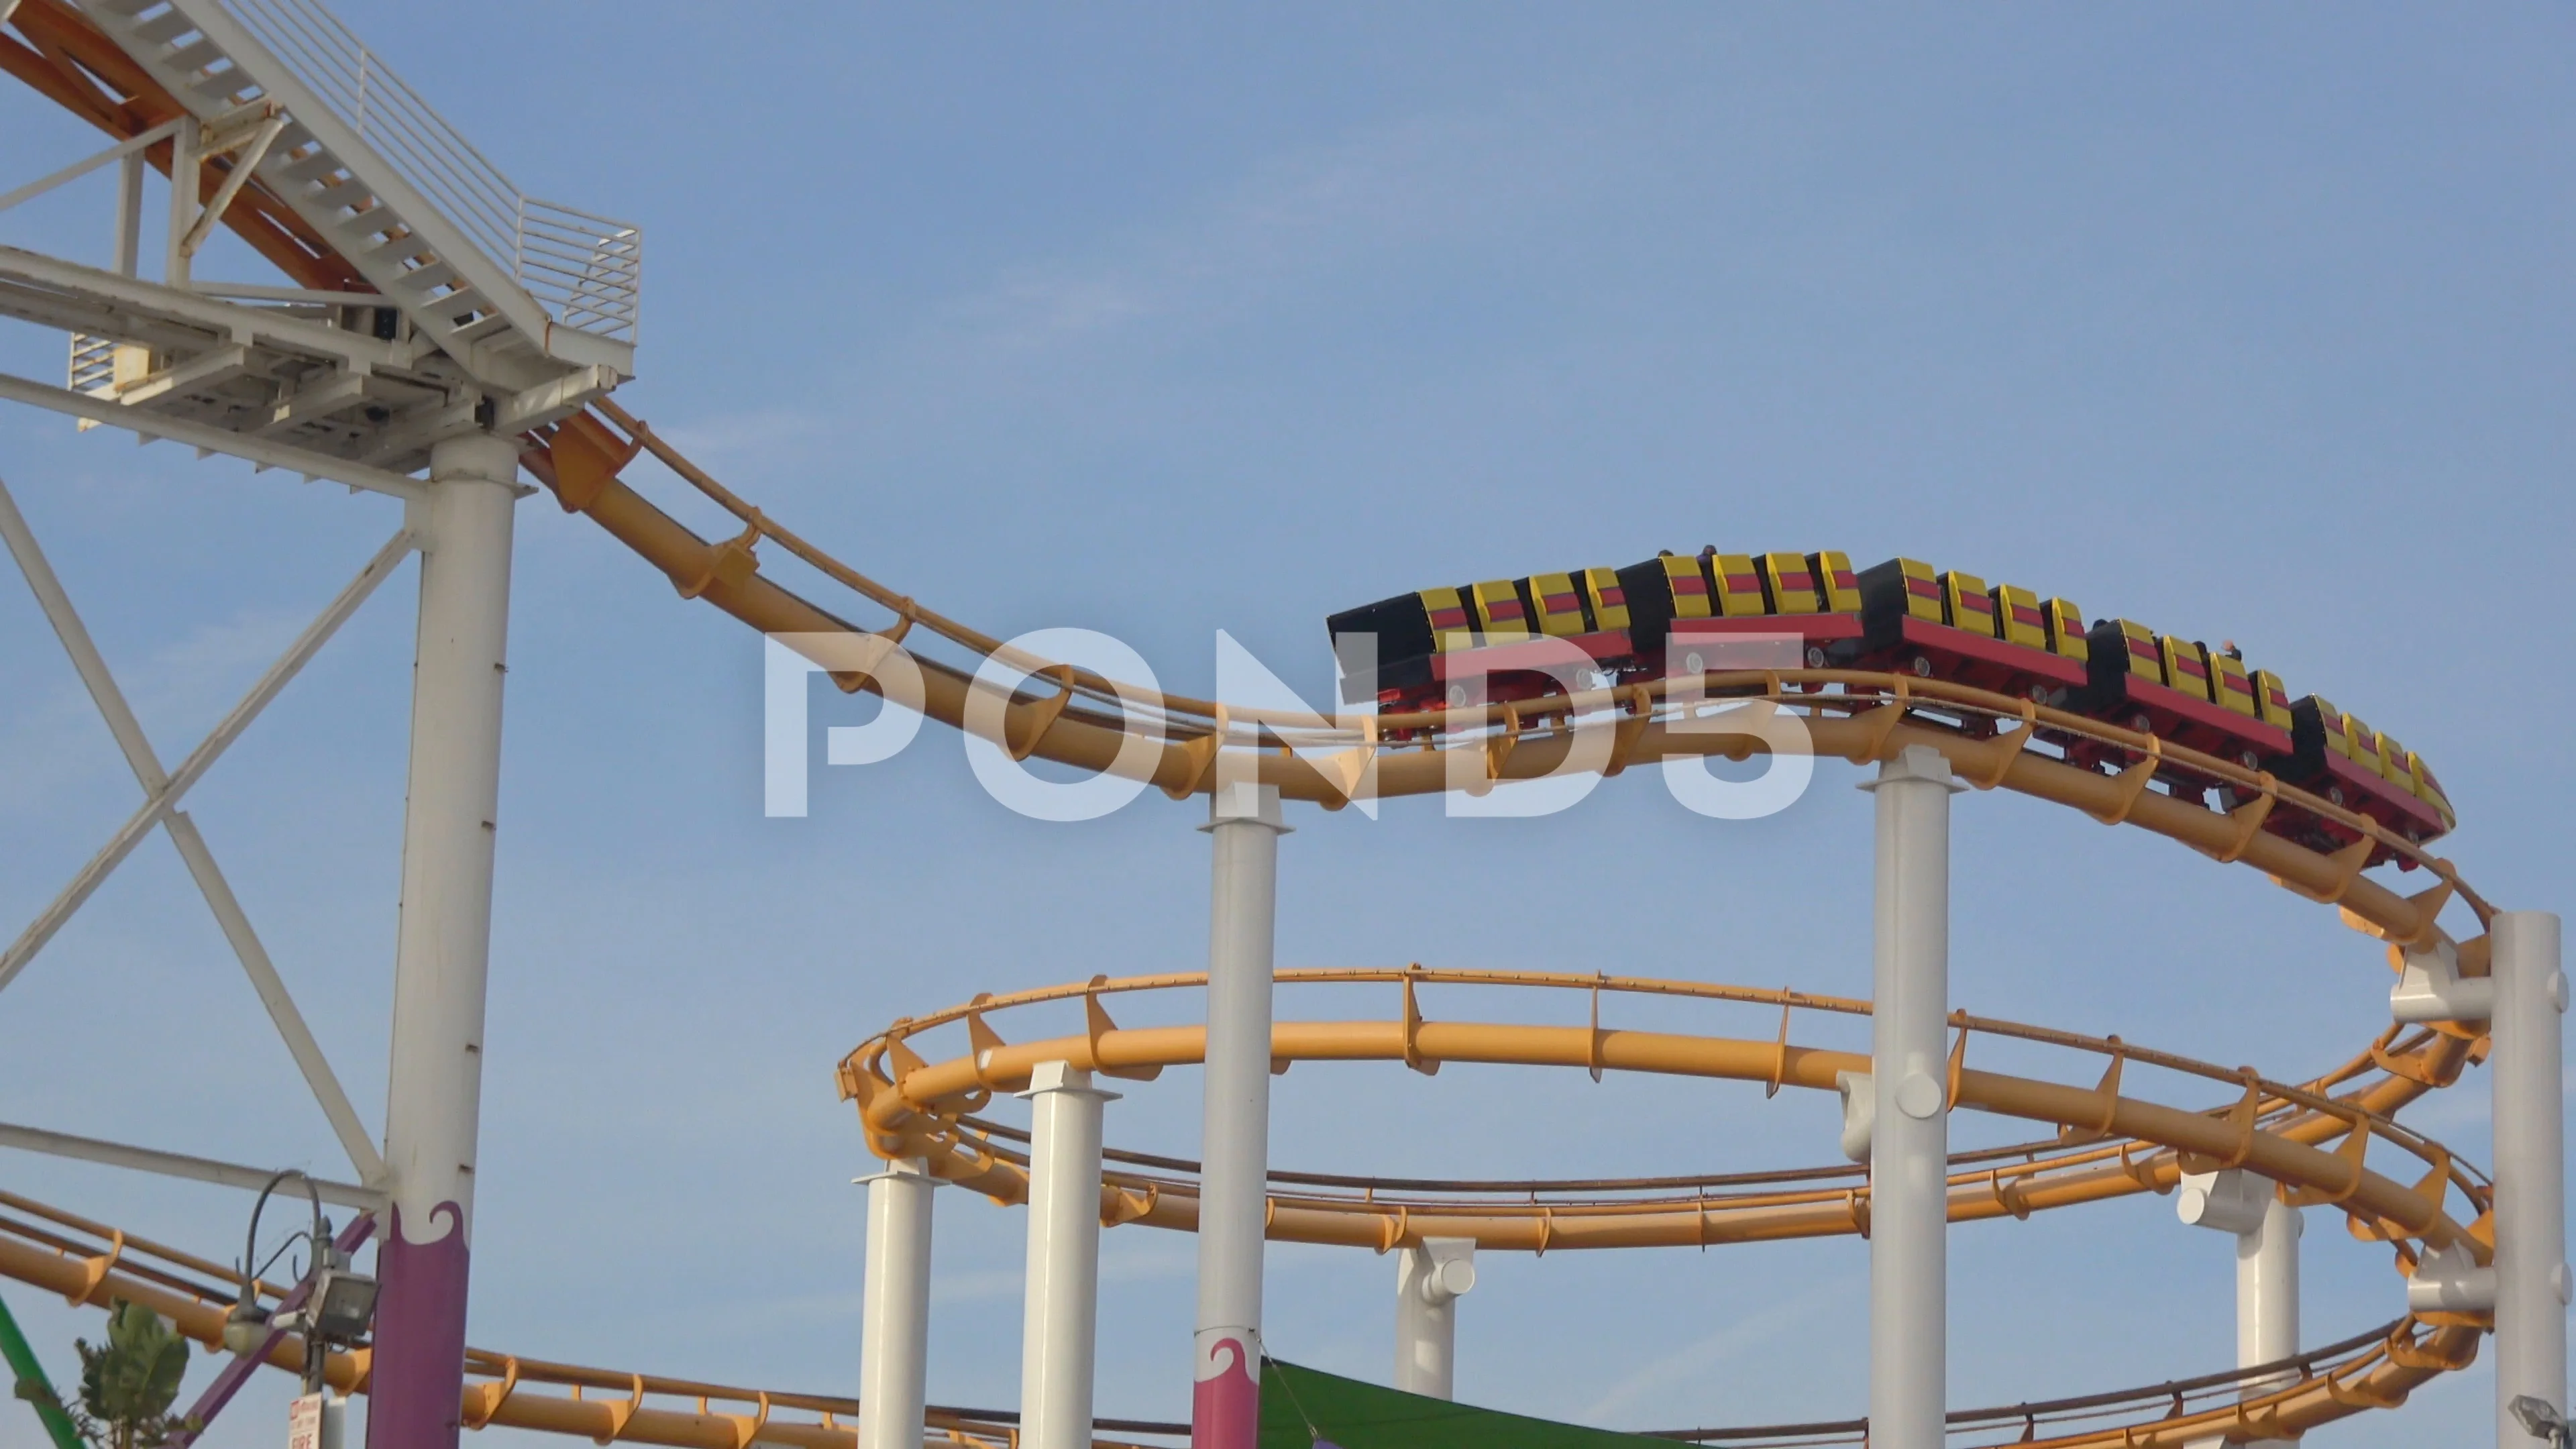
(128, 251)
(1909, 1205)
(184, 169)
(1225, 1401)
(2267, 1290)
(894, 1346)
(1061, 1316)
(2249, 1209)
(2531, 1275)
(1429, 1281)
(442, 944)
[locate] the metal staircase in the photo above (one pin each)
(525, 295)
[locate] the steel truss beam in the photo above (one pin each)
(175, 1164)
(209, 440)
(79, 169)
(164, 789)
(117, 296)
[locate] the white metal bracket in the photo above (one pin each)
(2448, 1280)
(549, 401)
(2232, 1201)
(2430, 987)
(337, 393)
(1860, 1112)
(1446, 1271)
(254, 149)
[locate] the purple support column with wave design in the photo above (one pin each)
(413, 1389)
(442, 947)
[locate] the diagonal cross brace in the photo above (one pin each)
(122, 149)
(163, 791)
(243, 165)
(176, 1164)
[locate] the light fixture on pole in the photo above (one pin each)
(2541, 1420)
(332, 1306)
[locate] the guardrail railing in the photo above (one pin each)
(586, 270)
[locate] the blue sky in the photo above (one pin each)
(2247, 323)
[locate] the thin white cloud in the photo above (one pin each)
(745, 440)
(178, 690)
(1693, 1362)
(58, 737)
(191, 681)
(1294, 217)
(767, 1315)
(1288, 223)
(982, 1286)
(1145, 1266)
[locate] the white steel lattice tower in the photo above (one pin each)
(431, 318)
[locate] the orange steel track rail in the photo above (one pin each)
(91, 1263)
(1858, 715)
(1861, 716)
(2111, 1144)
(1079, 719)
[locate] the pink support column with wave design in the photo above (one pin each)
(1225, 1402)
(1225, 1398)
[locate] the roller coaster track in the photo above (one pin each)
(913, 1108)
(2109, 1143)
(917, 1109)
(1861, 716)
(1858, 715)
(77, 67)
(91, 1263)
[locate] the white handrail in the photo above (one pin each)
(586, 270)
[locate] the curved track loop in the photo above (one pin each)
(1859, 715)
(2111, 1144)
(92, 1264)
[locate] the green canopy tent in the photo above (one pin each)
(1302, 1408)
